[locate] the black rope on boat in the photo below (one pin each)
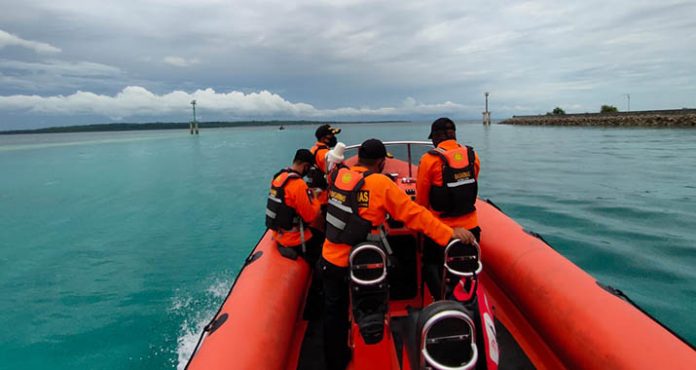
(250, 258)
(489, 201)
(538, 236)
(530, 232)
(620, 294)
(216, 324)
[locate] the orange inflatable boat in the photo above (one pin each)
(549, 314)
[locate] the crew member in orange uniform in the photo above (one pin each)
(363, 191)
(291, 205)
(326, 139)
(447, 184)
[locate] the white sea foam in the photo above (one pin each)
(189, 332)
(219, 288)
(27, 146)
(195, 319)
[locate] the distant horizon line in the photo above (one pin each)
(163, 125)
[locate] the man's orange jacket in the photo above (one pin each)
(319, 150)
(298, 197)
(384, 196)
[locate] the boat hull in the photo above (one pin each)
(264, 312)
(558, 316)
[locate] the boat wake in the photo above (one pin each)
(195, 314)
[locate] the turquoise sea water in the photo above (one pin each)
(115, 248)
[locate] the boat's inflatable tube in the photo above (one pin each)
(560, 315)
(261, 312)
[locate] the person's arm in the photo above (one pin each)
(305, 205)
(423, 182)
(477, 165)
(417, 218)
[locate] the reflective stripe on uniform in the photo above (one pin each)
(335, 221)
(340, 206)
(275, 199)
(460, 183)
(270, 213)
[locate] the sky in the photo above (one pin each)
(66, 62)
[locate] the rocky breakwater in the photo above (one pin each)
(658, 118)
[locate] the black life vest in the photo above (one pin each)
(343, 222)
(459, 189)
(280, 216)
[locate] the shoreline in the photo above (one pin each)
(107, 127)
(675, 118)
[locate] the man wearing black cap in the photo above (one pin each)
(447, 184)
(326, 139)
(291, 205)
(364, 188)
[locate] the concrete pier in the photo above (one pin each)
(654, 118)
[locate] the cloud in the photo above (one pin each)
(138, 101)
(8, 39)
(355, 57)
(59, 67)
(55, 76)
(180, 62)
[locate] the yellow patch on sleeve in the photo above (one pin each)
(363, 198)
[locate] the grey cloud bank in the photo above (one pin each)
(69, 60)
(8, 39)
(136, 101)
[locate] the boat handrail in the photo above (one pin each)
(382, 265)
(408, 144)
(428, 360)
(399, 142)
(456, 272)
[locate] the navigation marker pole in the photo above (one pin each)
(486, 114)
(628, 96)
(194, 124)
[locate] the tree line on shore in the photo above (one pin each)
(558, 111)
(165, 126)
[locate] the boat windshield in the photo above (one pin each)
(407, 151)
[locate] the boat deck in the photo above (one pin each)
(312, 354)
(518, 264)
